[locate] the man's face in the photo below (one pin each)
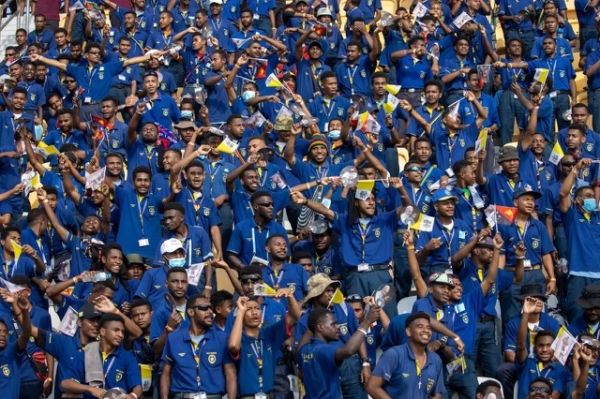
(165, 20)
(462, 47)
(446, 207)
(217, 62)
(201, 313)
(15, 71)
(255, 50)
(141, 183)
(566, 165)
(90, 327)
(18, 101)
(263, 206)
(215, 9)
(151, 84)
(108, 109)
(318, 153)
(141, 316)
(177, 283)
(113, 333)
(367, 206)
(548, 46)
(315, 52)
(40, 23)
(253, 316)
(419, 331)
(579, 115)
(169, 159)
(277, 249)
(149, 133)
(539, 390)
(113, 261)
(172, 219)
(543, 348)
(114, 166)
(55, 103)
(525, 204)
(250, 180)
(538, 144)
(195, 177)
(14, 236)
(124, 47)
(91, 225)
(3, 335)
(94, 55)
(352, 53)
(21, 38)
(224, 309)
(440, 292)
(10, 54)
(76, 51)
(40, 72)
(129, 21)
(423, 151)
(330, 86)
(65, 123)
(246, 19)
(432, 94)
(329, 328)
(358, 309)
(60, 38)
(511, 166)
(574, 139)
(29, 72)
(248, 285)
(379, 86)
(321, 242)
(550, 24)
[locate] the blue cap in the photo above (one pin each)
(442, 195)
(526, 189)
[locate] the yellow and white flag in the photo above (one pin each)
(541, 74)
(557, 153)
(48, 149)
(273, 81)
(264, 290)
(363, 189)
(337, 298)
(227, 146)
(423, 223)
(390, 104)
(481, 142)
(393, 89)
(17, 249)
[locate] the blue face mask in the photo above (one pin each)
(590, 204)
(334, 134)
(177, 262)
(247, 95)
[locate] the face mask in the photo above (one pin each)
(589, 204)
(38, 130)
(334, 134)
(177, 262)
(491, 396)
(248, 95)
(187, 114)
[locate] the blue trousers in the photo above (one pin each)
(508, 374)
(350, 370)
(402, 278)
(561, 103)
(510, 109)
(463, 384)
(366, 283)
(586, 33)
(594, 105)
(487, 357)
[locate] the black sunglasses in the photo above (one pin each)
(202, 308)
(265, 204)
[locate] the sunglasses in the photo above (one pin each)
(414, 169)
(265, 204)
(567, 164)
(202, 308)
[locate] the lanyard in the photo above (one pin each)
(351, 77)
(257, 348)
(416, 198)
(112, 361)
(217, 27)
(196, 349)
(552, 68)
(277, 283)
(539, 368)
(328, 109)
(364, 231)
(448, 238)
(90, 74)
(142, 210)
(213, 172)
(522, 236)
(419, 372)
(254, 240)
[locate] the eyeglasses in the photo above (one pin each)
(266, 204)
(202, 308)
(354, 298)
(414, 169)
(539, 388)
(567, 164)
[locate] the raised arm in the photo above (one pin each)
(567, 185)
(413, 265)
(300, 199)
(490, 278)
(48, 61)
(529, 306)
(62, 232)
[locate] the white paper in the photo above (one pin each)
(563, 345)
(94, 180)
(68, 324)
(194, 273)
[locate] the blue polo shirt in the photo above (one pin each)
(141, 154)
(471, 282)
(412, 73)
(535, 237)
(199, 210)
(265, 348)
(197, 245)
(397, 368)
(140, 218)
(10, 376)
(499, 189)
(451, 64)
(95, 80)
(558, 375)
(67, 351)
(466, 318)
(326, 110)
(160, 317)
(248, 239)
(80, 262)
(370, 244)
(83, 290)
(593, 81)
(212, 354)
(153, 286)
(164, 111)
(242, 209)
(583, 234)
(530, 169)
(114, 141)
(261, 7)
(512, 8)
(508, 75)
(465, 209)
(452, 242)
(36, 97)
(26, 267)
(590, 148)
(217, 101)
(563, 48)
(308, 77)
(445, 314)
(120, 370)
(560, 69)
(291, 276)
(547, 322)
(317, 362)
(344, 317)
(356, 78)
(580, 326)
(216, 174)
(449, 150)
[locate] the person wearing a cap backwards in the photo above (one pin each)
(410, 370)
(321, 289)
(501, 186)
(538, 264)
(582, 226)
(366, 240)
(310, 69)
(12, 349)
(541, 362)
(450, 241)
(196, 362)
(538, 319)
(321, 359)
(589, 322)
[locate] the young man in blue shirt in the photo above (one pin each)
(281, 274)
(321, 357)
(499, 187)
(195, 358)
(410, 370)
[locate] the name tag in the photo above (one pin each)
(260, 395)
(363, 267)
(143, 242)
(526, 264)
(461, 235)
(552, 94)
(200, 395)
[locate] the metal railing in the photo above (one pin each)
(23, 19)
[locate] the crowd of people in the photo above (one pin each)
(318, 200)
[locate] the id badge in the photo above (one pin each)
(526, 264)
(363, 267)
(256, 17)
(87, 100)
(200, 395)
(260, 395)
(552, 94)
(143, 242)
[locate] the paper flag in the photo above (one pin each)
(240, 42)
(557, 154)
(423, 223)
(33, 200)
(563, 345)
(420, 10)
(12, 288)
(390, 105)
(541, 74)
(481, 142)
(462, 19)
(337, 298)
(194, 273)
(363, 189)
(278, 180)
(393, 89)
(273, 81)
(368, 124)
(48, 149)
(256, 120)
(227, 146)
(497, 215)
(94, 180)
(17, 249)
(146, 374)
(263, 289)
(68, 324)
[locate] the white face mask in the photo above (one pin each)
(491, 395)
(248, 95)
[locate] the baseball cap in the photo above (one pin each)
(442, 195)
(171, 245)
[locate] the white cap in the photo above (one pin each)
(215, 2)
(169, 246)
(324, 11)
